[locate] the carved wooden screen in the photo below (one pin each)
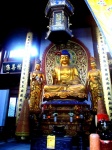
(78, 55)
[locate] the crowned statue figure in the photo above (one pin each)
(66, 81)
(95, 83)
(36, 85)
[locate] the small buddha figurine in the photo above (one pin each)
(36, 84)
(66, 81)
(95, 83)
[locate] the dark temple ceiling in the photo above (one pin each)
(28, 15)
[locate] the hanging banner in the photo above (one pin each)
(102, 13)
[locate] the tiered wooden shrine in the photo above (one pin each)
(66, 114)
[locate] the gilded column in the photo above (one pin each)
(106, 82)
(24, 74)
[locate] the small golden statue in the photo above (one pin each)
(36, 85)
(95, 83)
(66, 81)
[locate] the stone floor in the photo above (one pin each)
(12, 144)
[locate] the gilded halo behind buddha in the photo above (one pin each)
(64, 74)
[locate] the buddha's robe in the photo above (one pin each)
(65, 78)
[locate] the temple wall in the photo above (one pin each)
(4, 95)
(84, 35)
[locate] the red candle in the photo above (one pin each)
(94, 141)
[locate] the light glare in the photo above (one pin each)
(19, 53)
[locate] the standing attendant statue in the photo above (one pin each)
(36, 85)
(95, 83)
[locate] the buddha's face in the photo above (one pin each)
(64, 59)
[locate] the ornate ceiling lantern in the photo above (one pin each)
(58, 12)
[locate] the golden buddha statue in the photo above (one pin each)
(36, 85)
(95, 83)
(66, 81)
